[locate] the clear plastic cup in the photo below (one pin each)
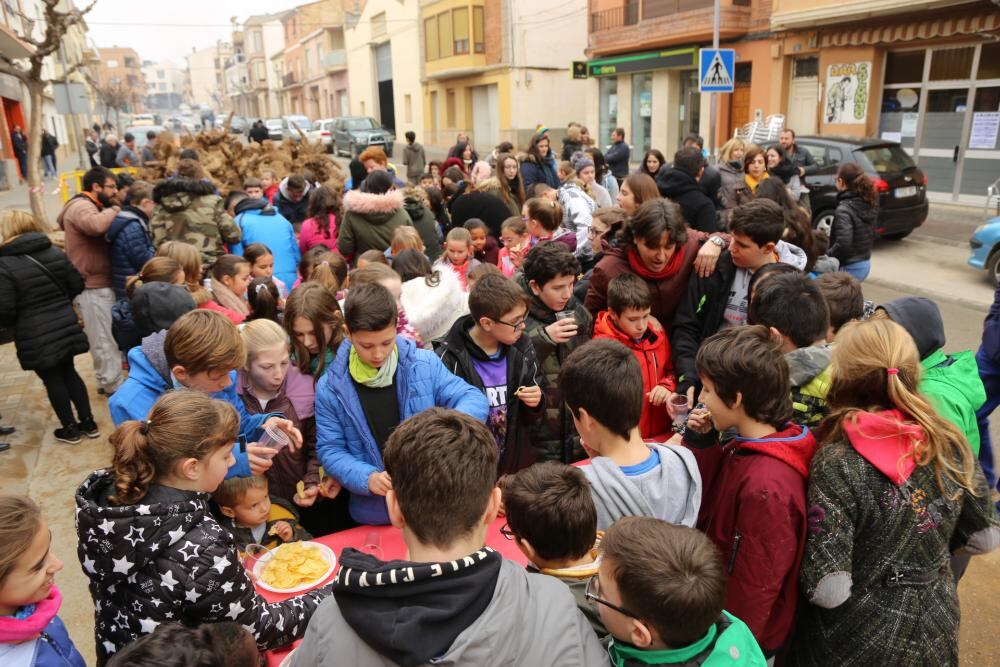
(373, 545)
(680, 408)
(251, 555)
(565, 315)
(274, 439)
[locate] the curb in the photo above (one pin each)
(965, 302)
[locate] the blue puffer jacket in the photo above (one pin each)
(345, 444)
(149, 378)
(131, 246)
(262, 224)
(534, 172)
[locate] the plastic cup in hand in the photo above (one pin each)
(274, 439)
(565, 315)
(252, 554)
(373, 545)
(680, 408)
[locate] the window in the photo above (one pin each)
(951, 64)
(806, 68)
(112, 64)
(163, 87)
(408, 108)
(825, 156)
(904, 67)
(460, 23)
(444, 34)
(160, 74)
(431, 51)
(261, 73)
(257, 41)
(305, 55)
(477, 30)
(319, 55)
(449, 107)
(989, 61)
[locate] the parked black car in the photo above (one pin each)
(901, 185)
(353, 134)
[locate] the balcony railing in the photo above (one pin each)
(288, 79)
(335, 58)
(608, 19)
(634, 11)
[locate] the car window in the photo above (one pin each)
(887, 159)
(360, 124)
(818, 153)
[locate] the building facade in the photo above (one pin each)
(164, 85)
(206, 76)
(264, 37)
(313, 63)
(119, 74)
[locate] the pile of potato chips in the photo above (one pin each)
(293, 565)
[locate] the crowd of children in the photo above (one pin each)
(707, 456)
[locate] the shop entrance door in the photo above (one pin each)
(803, 96)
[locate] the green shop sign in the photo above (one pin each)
(641, 62)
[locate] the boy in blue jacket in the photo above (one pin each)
(377, 380)
(131, 244)
(260, 223)
(200, 351)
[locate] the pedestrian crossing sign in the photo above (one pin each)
(717, 68)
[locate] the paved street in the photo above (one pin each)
(930, 262)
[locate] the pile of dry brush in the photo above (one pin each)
(226, 161)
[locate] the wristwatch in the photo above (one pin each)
(717, 240)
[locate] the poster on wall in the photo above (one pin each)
(847, 93)
(985, 125)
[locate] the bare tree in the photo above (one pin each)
(29, 71)
(115, 95)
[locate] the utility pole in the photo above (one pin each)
(77, 132)
(714, 103)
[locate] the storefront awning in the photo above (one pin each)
(911, 31)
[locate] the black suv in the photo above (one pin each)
(353, 134)
(901, 185)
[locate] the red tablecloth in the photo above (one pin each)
(393, 548)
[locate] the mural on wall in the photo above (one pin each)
(847, 93)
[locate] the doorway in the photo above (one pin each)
(739, 101)
(803, 96)
(485, 115)
(383, 77)
(690, 111)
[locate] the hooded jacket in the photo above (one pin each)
(433, 308)
(652, 352)
(486, 206)
(86, 222)
(754, 510)
(260, 223)
(950, 381)
(578, 211)
(46, 330)
(293, 211)
(344, 441)
(166, 559)
(853, 230)
(131, 246)
(369, 221)
(189, 210)
(458, 351)
(482, 610)
(684, 190)
(727, 643)
(423, 220)
(415, 161)
(535, 171)
(809, 375)
(40, 639)
(666, 486)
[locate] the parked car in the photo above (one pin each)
(139, 132)
(143, 119)
(901, 185)
(353, 134)
(290, 123)
(273, 126)
(322, 132)
(238, 125)
(985, 244)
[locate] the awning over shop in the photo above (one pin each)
(911, 31)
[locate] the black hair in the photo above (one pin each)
(762, 220)
(627, 290)
(358, 173)
(151, 135)
(694, 139)
(96, 175)
(689, 160)
(475, 223)
(794, 306)
(377, 183)
(549, 260)
(369, 307)
(652, 219)
(410, 135)
(177, 645)
(766, 271)
(124, 180)
(263, 298)
(129, 137)
(234, 197)
(603, 377)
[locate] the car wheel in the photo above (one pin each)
(993, 266)
(824, 222)
(897, 236)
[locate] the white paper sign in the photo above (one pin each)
(984, 130)
(847, 93)
(892, 136)
(909, 127)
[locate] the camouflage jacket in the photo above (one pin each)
(809, 372)
(189, 210)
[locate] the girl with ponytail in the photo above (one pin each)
(894, 491)
(264, 300)
(148, 542)
(854, 221)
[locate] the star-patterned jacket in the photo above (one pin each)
(169, 560)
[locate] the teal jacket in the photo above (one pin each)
(951, 382)
(728, 642)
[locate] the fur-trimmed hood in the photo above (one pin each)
(372, 206)
(432, 309)
(177, 194)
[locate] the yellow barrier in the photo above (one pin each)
(77, 179)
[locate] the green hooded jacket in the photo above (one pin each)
(951, 382)
(728, 642)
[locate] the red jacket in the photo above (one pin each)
(754, 509)
(653, 354)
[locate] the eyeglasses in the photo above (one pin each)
(594, 233)
(507, 532)
(593, 592)
(520, 324)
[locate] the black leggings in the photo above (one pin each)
(64, 386)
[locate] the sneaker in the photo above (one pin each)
(89, 428)
(68, 434)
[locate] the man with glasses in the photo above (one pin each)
(487, 349)
(86, 219)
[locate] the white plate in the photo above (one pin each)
(324, 550)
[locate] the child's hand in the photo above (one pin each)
(659, 395)
(259, 458)
(307, 497)
(283, 530)
(282, 424)
(561, 331)
(379, 483)
(329, 487)
(530, 396)
(700, 420)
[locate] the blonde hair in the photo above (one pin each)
(20, 519)
(726, 152)
(260, 335)
(406, 238)
(330, 271)
(232, 490)
(875, 366)
(190, 260)
(183, 424)
(16, 222)
(460, 234)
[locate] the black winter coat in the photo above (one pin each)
(426, 226)
(853, 230)
(682, 188)
(108, 156)
(457, 352)
(259, 134)
(46, 332)
(487, 207)
(168, 560)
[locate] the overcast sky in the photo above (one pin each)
(167, 30)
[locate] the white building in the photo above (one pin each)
(164, 85)
(263, 37)
(206, 75)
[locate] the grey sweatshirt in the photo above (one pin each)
(670, 491)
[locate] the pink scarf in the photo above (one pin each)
(13, 630)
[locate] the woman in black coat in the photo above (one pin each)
(37, 285)
(854, 221)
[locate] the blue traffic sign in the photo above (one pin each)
(717, 68)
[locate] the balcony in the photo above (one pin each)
(288, 79)
(636, 25)
(616, 17)
(335, 59)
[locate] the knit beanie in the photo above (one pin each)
(540, 131)
(580, 160)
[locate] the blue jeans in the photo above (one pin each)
(49, 162)
(859, 270)
(990, 375)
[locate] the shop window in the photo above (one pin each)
(987, 99)
(743, 74)
(444, 34)
(805, 68)
(431, 39)
(449, 107)
(608, 95)
(479, 46)
(642, 110)
(460, 26)
(951, 64)
(905, 66)
(989, 61)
